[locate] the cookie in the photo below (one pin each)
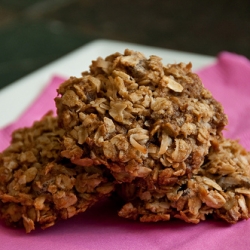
(220, 189)
(38, 186)
(139, 117)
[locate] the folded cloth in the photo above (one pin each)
(229, 81)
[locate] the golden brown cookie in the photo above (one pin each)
(38, 186)
(139, 117)
(221, 188)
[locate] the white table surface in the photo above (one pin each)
(15, 98)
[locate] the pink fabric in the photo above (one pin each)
(40, 107)
(229, 82)
(100, 227)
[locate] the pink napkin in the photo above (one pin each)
(229, 81)
(36, 110)
(100, 227)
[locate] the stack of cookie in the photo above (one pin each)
(151, 133)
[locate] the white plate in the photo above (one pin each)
(15, 98)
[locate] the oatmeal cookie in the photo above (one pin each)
(38, 186)
(139, 118)
(221, 189)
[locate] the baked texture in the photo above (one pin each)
(38, 186)
(150, 132)
(221, 189)
(139, 118)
